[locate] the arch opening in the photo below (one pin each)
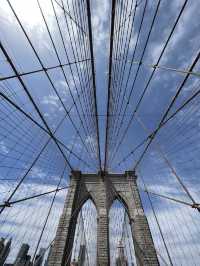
(120, 235)
(85, 240)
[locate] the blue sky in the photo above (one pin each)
(21, 140)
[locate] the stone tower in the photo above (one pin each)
(103, 189)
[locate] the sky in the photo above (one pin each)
(173, 154)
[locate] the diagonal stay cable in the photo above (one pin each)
(30, 167)
(53, 86)
(67, 56)
(40, 126)
(82, 15)
(135, 48)
(183, 105)
(168, 162)
(33, 102)
(129, 73)
(115, 126)
(50, 209)
(48, 214)
(24, 176)
(168, 109)
(146, 43)
(157, 221)
(152, 74)
(76, 54)
(64, 74)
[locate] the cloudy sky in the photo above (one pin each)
(171, 161)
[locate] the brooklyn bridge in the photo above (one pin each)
(99, 132)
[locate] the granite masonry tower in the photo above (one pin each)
(103, 188)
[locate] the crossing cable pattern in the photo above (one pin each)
(41, 61)
(161, 95)
(117, 140)
(49, 120)
(49, 115)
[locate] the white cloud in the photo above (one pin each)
(53, 105)
(132, 42)
(187, 22)
(33, 20)
(51, 100)
(90, 140)
(3, 148)
(38, 172)
(75, 144)
(100, 19)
